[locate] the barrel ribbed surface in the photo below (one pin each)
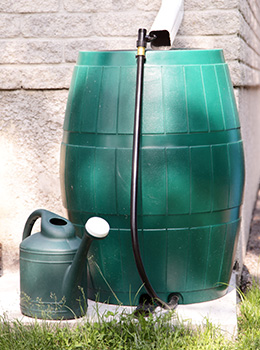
(191, 171)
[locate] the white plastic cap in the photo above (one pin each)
(97, 227)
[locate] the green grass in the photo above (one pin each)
(123, 333)
(126, 332)
(249, 320)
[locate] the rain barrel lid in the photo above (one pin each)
(163, 58)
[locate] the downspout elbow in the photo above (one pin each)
(167, 23)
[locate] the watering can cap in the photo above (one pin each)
(97, 227)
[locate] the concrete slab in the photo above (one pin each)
(220, 312)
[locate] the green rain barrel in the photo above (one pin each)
(191, 172)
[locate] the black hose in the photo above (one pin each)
(141, 45)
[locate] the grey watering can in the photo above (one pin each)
(53, 278)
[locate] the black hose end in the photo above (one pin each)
(141, 41)
(173, 302)
(145, 307)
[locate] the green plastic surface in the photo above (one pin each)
(47, 289)
(191, 171)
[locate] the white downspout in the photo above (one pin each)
(167, 23)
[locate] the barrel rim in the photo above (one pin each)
(159, 57)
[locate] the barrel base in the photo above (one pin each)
(131, 299)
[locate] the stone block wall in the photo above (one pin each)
(39, 44)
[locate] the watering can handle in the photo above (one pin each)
(31, 221)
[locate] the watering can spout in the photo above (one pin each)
(95, 228)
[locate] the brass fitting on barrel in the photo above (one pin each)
(142, 41)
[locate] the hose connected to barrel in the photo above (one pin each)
(141, 46)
